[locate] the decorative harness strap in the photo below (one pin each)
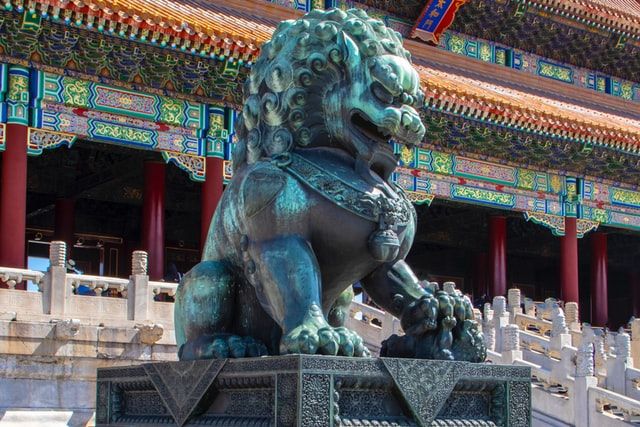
(377, 208)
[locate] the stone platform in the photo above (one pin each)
(314, 391)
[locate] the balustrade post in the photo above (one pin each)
(617, 366)
(635, 342)
(511, 344)
(572, 315)
(600, 356)
(560, 336)
(529, 307)
(500, 319)
(488, 328)
(390, 326)
(55, 291)
(589, 335)
(138, 295)
(584, 379)
(513, 303)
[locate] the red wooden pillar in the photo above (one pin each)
(65, 222)
(497, 256)
(211, 193)
(13, 198)
(599, 298)
(153, 217)
(569, 289)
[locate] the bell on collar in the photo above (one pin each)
(384, 245)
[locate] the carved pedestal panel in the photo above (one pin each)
(314, 391)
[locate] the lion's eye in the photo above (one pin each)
(381, 93)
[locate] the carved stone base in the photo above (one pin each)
(314, 391)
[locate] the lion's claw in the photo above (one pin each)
(222, 346)
(449, 322)
(329, 341)
(315, 336)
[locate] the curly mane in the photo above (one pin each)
(283, 96)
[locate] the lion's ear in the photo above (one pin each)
(350, 51)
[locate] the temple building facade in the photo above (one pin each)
(116, 142)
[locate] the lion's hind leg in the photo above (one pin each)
(204, 311)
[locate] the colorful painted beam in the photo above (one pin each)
(557, 223)
(66, 108)
(42, 139)
(17, 95)
(465, 168)
(4, 86)
(53, 88)
(519, 60)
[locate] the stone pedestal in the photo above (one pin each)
(314, 391)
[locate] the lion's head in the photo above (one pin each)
(331, 78)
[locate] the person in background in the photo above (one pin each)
(71, 267)
(172, 275)
(81, 289)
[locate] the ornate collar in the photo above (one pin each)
(352, 196)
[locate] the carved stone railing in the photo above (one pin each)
(533, 325)
(372, 324)
(12, 300)
(92, 300)
(12, 276)
(581, 375)
(612, 408)
(53, 340)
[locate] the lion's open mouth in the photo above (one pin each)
(369, 130)
(378, 134)
(379, 139)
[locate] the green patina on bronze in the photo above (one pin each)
(311, 209)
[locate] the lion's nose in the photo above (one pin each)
(412, 123)
(407, 121)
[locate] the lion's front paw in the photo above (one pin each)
(222, 346)
(315, 336)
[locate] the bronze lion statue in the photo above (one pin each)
(311, 208)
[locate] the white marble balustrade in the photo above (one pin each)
(59, 296)
(581, 375)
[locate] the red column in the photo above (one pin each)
(153, 217)
(211, 193)
(13, 198)
(65, 222)
(599, 298)
(569, 289)
(497, 256)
